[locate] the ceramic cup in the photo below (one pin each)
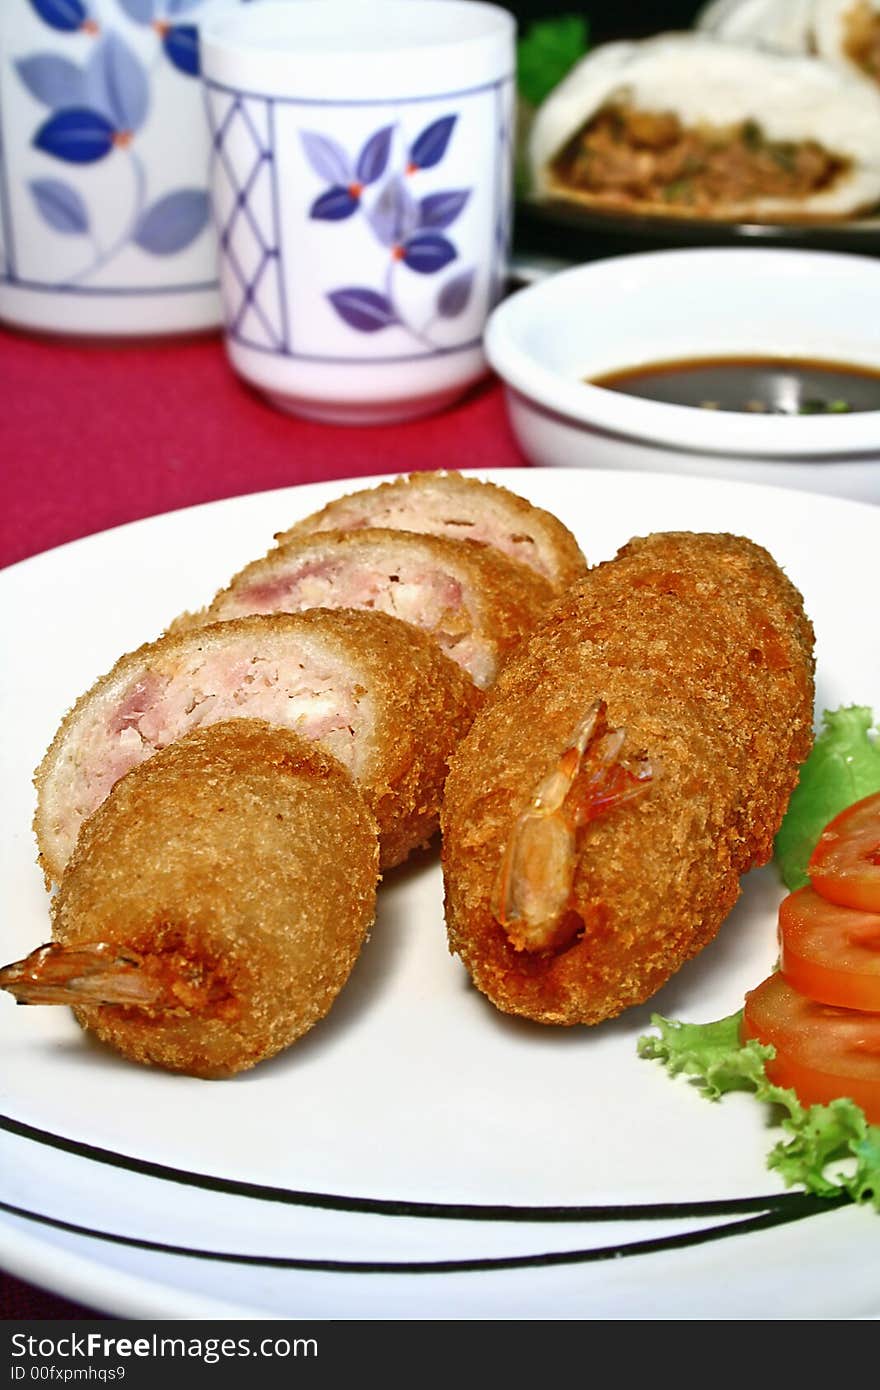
(105, 225)
(361, 181)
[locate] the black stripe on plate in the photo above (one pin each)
(801, 1206)
(450, 1211)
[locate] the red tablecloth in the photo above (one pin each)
(93, 436)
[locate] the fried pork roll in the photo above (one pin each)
(634, 759)
(688, 125)
(474, 601)
(215, 903)
(375, 692)
(462, 508)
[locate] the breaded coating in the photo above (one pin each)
(375, 692)
(697, 647)
(463, 508)
(474, 601)
(237, 869)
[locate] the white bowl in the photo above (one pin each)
(633, 310)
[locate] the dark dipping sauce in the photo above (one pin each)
(753, 385)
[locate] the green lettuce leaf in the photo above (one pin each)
(843, 767)
(546, 52)
(711, 1053)
(821, 1135)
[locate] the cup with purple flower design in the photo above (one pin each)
(361, 190)
(105, 225)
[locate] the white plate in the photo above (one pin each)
(399, 1162)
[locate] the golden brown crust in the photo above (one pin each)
(244, 854)
(418, 704)
(464, 508)
(473, 600)
(700, 646)
(424, 705)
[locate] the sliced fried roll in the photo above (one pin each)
(474, 601)
(633, 760)
(215, 903)
(375, 692)
(463, 508)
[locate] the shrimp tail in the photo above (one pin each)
(533, 887)
(94, 973)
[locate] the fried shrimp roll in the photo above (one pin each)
(463, 508)
(215, 903)
(375, 692)
(474, 601)
(634, 759)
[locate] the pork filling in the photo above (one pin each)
(651, 157)
(169, 699)
(439, 515)
(862, 38)
(427, 598)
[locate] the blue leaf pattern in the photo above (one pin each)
(427, 253)
(92, 105)
(53, 80)
(60, 205)
(363, 309)
(455, 295)
(334, 205)
(173, 222)
(181, 44)
(141, 11)
(117, 84)
(373, 158)
(394, 214)
(67, 15)
(77, 136)
(429, 147)
(327, 157)
(409, 229)
(440, 210)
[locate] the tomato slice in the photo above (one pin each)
(830, 953)
(845, 865)
(822, 1052)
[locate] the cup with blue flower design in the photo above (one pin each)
(105, 225)
(361, 189)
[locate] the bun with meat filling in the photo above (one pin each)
(689, 126)
(785, 26)
(845, 33)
